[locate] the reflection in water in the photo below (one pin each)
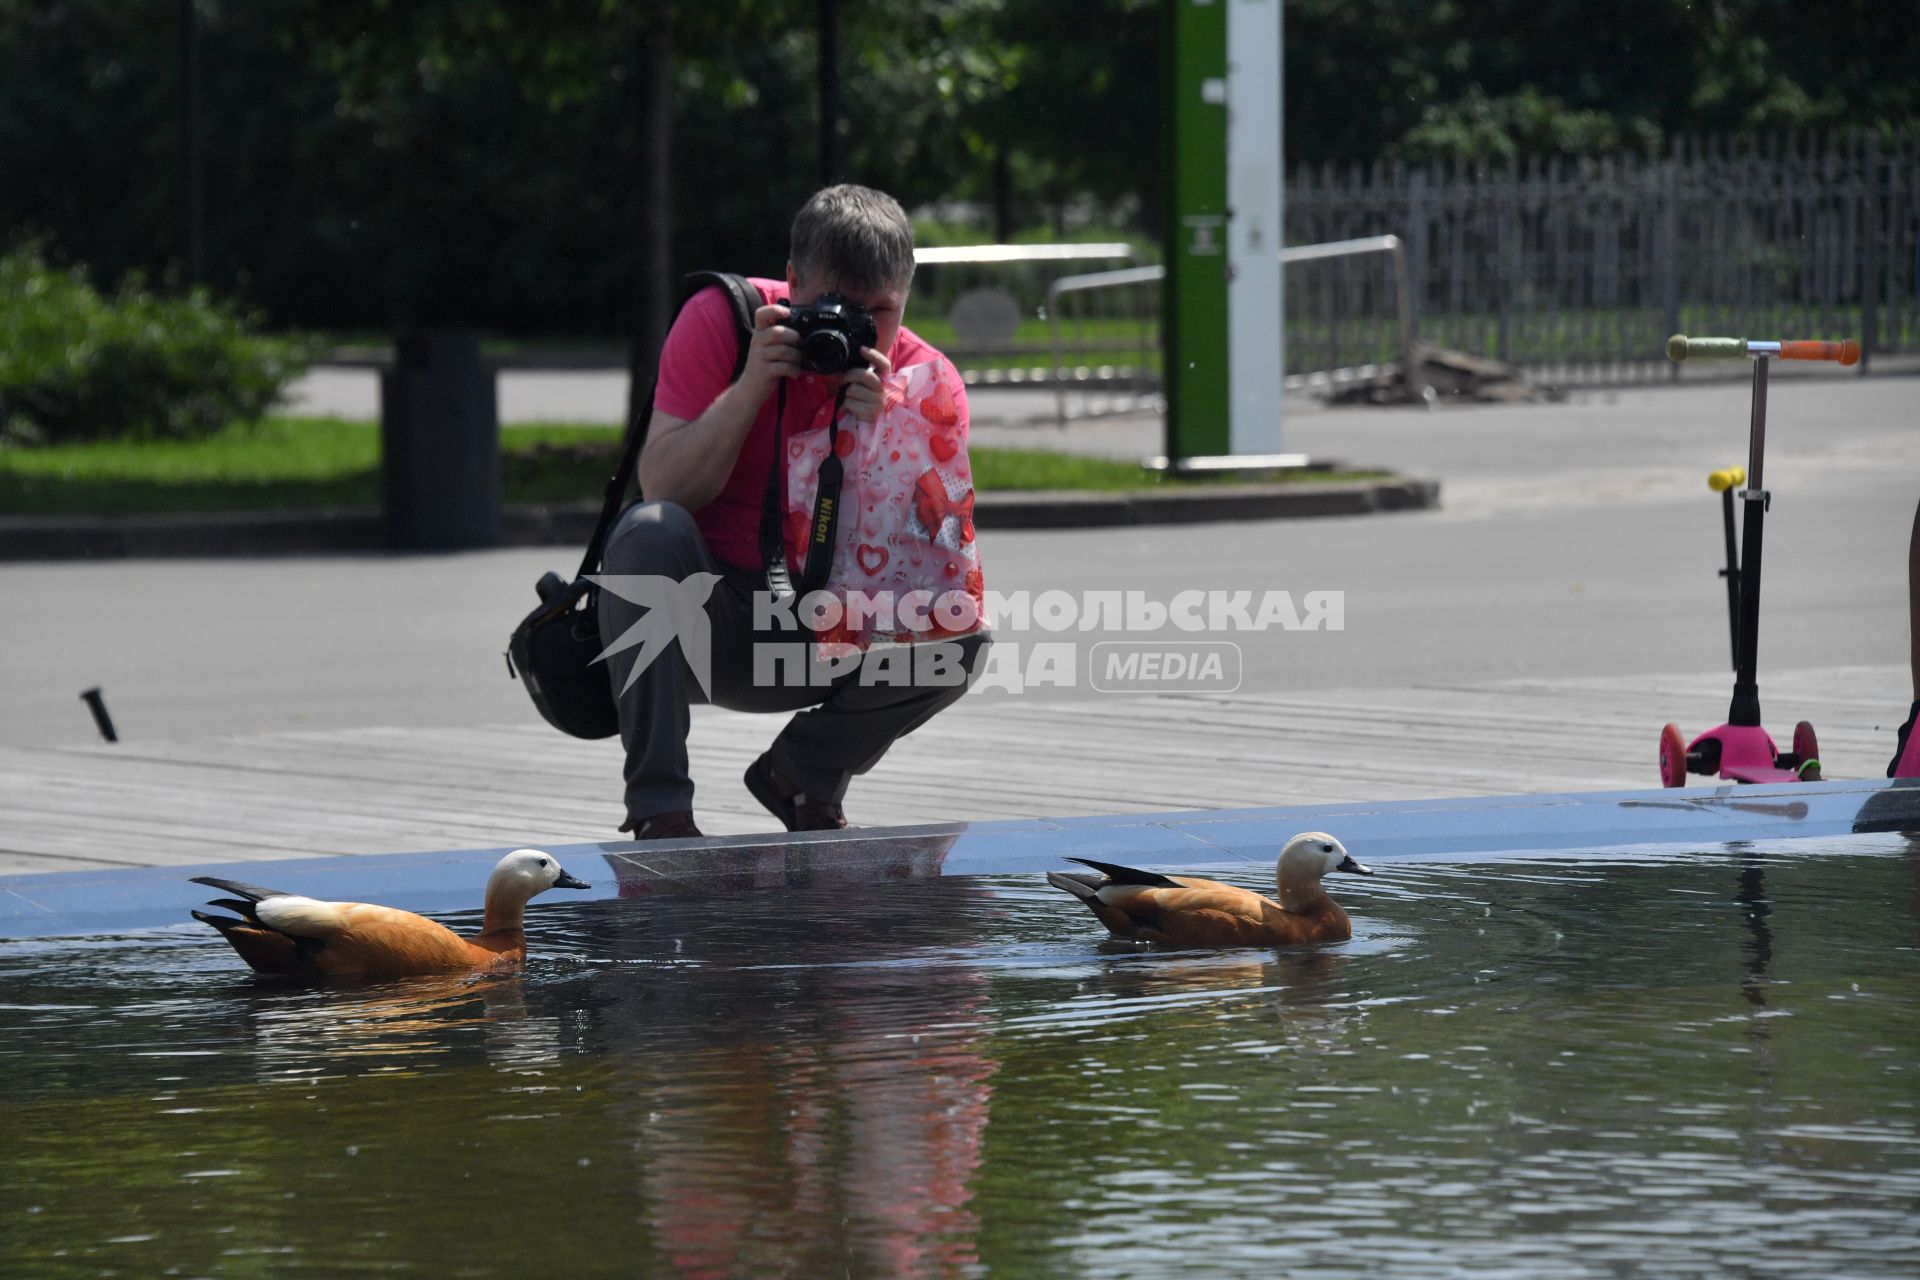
(1763, 1125)
(850, 1141)
(1755, 907)
(1672, 1064)
(407, 1021)
(1792, 809)
(841, 1128)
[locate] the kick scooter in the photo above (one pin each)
(1740, 750)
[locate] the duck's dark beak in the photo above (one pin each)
(1358, 868)
(570, 882)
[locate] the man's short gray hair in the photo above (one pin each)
(854, 237)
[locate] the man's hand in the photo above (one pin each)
(865, 394)
(774, 352)
(688, 462)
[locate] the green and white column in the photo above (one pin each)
(1221, 325)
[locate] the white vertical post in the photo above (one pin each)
(1256, 343)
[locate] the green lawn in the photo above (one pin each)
(285, 463)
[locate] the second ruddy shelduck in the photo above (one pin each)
(1185, 911)
(285, 933)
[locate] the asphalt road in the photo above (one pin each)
(1575, 540)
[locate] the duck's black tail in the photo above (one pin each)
(239, 906)
(1078, 883)
(264, 949)
(225, 924)
(1117, 874)
(251, 892)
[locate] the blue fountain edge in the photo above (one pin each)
(126, 900)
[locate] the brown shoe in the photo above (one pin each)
(675, 824)
(797, 810)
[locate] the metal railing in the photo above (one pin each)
(1116, 318)
(982, 304)
(1123, 371)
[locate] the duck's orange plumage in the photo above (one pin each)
(285, 933)
(1186, 911)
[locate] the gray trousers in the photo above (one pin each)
(842, 729)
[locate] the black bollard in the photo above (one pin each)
(440, 445)
(101, 720)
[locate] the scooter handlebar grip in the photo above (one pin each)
(1726, 478)
(1681, 348)
(1847, 352)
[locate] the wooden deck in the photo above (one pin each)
(386, 790)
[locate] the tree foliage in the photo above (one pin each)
(377, 163)
(77, 365)
(1494, 78)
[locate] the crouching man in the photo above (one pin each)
(708, 472)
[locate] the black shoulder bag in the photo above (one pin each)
(553, 649)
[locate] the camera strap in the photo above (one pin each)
(826, 509)
(826, 506)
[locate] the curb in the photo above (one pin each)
(1076, 510)
(272, 533)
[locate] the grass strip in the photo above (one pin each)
(286, 463)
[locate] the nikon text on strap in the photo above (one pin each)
(826, 509)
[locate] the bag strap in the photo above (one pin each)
(773, 547)
(743, 299)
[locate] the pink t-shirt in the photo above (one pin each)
(696, 365)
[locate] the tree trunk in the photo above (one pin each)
(653, 300)
(1003, 193)
(828, 77)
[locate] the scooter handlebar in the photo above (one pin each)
(1681, 348)
(1726, 478)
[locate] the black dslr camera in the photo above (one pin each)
(832, 331)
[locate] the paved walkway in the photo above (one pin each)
(1531, 636)
(230, 798)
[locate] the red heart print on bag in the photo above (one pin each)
(938, 407)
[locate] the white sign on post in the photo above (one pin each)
(1256, 344)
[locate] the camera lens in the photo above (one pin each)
(825, 351)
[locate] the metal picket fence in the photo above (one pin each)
(1577, 270)
(1574, 270)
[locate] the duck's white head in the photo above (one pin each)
(525, 872)
(1313, 854)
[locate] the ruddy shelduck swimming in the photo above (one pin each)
(1183, 911)
(286, 933)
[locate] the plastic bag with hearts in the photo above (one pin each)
(905, 566)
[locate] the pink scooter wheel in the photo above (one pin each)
(1673, 757)
(1807, 748)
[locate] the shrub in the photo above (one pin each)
(77, 365)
